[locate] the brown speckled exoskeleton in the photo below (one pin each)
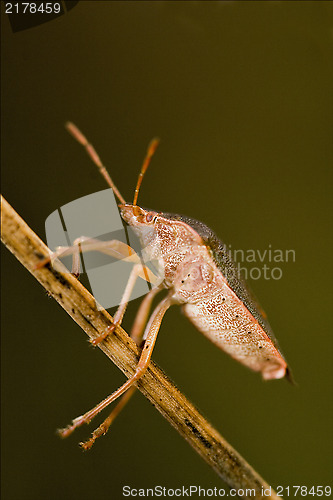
(200, 276)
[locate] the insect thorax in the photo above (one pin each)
(185, 261)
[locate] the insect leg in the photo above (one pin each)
(141, 317)
(104, 427)
(115, 248)
(118, 317)
(136, 334)
(76, 259)
(152, 328)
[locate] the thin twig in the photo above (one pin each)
(121, 349)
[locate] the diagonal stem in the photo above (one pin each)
(155, 385)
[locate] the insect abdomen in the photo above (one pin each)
(226, 322)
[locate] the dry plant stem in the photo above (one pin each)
(121, 349)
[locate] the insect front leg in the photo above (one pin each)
(114, 248)
(151, 333)
(136, 334)
(118, 317)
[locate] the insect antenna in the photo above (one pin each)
(150, 151)
(77, 134)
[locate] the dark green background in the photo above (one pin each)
(241, 95)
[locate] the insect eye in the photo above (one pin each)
(150, 216)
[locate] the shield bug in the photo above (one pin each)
(200, 276)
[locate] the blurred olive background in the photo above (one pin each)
(241, 95)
